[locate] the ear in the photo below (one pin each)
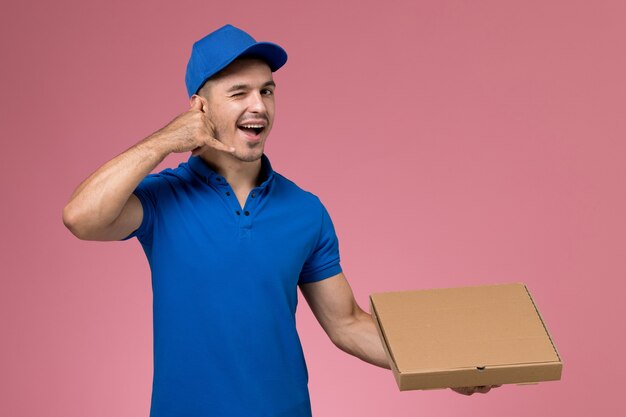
(198, 102)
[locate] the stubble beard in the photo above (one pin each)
(249, 153)
(248, 157)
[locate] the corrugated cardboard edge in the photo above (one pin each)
(543, 323)
(383, 338)
(531, 373)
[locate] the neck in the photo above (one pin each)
(239, 174)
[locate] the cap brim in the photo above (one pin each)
(274, 55)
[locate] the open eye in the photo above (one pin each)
(267, 92)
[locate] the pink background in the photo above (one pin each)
(453, 142)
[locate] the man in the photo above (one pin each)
(228, 241)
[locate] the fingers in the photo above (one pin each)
(216, 144)
(212, 143)
(482, 389)
(460, 391)
(198, 104)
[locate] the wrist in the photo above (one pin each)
(156, 145)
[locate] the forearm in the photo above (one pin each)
(360, 338)
(99, 199)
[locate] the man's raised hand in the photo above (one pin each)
(192, 131)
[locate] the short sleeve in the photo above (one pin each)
(146, 192)
(323, 262)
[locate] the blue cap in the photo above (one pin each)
(218, 49)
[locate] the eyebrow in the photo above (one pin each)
(247, 86)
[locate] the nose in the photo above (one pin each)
(256, 103)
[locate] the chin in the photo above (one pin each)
(248, 156)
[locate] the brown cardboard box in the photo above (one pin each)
(463, 337)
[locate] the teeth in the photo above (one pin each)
(252, 126)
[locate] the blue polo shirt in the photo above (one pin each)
(224, 283)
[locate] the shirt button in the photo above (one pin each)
(247, 213)
(253, 195)
(238, 213)
(227, 192)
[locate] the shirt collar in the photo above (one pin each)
(202, 169)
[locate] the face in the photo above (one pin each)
(241, 106)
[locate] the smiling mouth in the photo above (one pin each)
(251, 128)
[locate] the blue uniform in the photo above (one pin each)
(224, 282)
